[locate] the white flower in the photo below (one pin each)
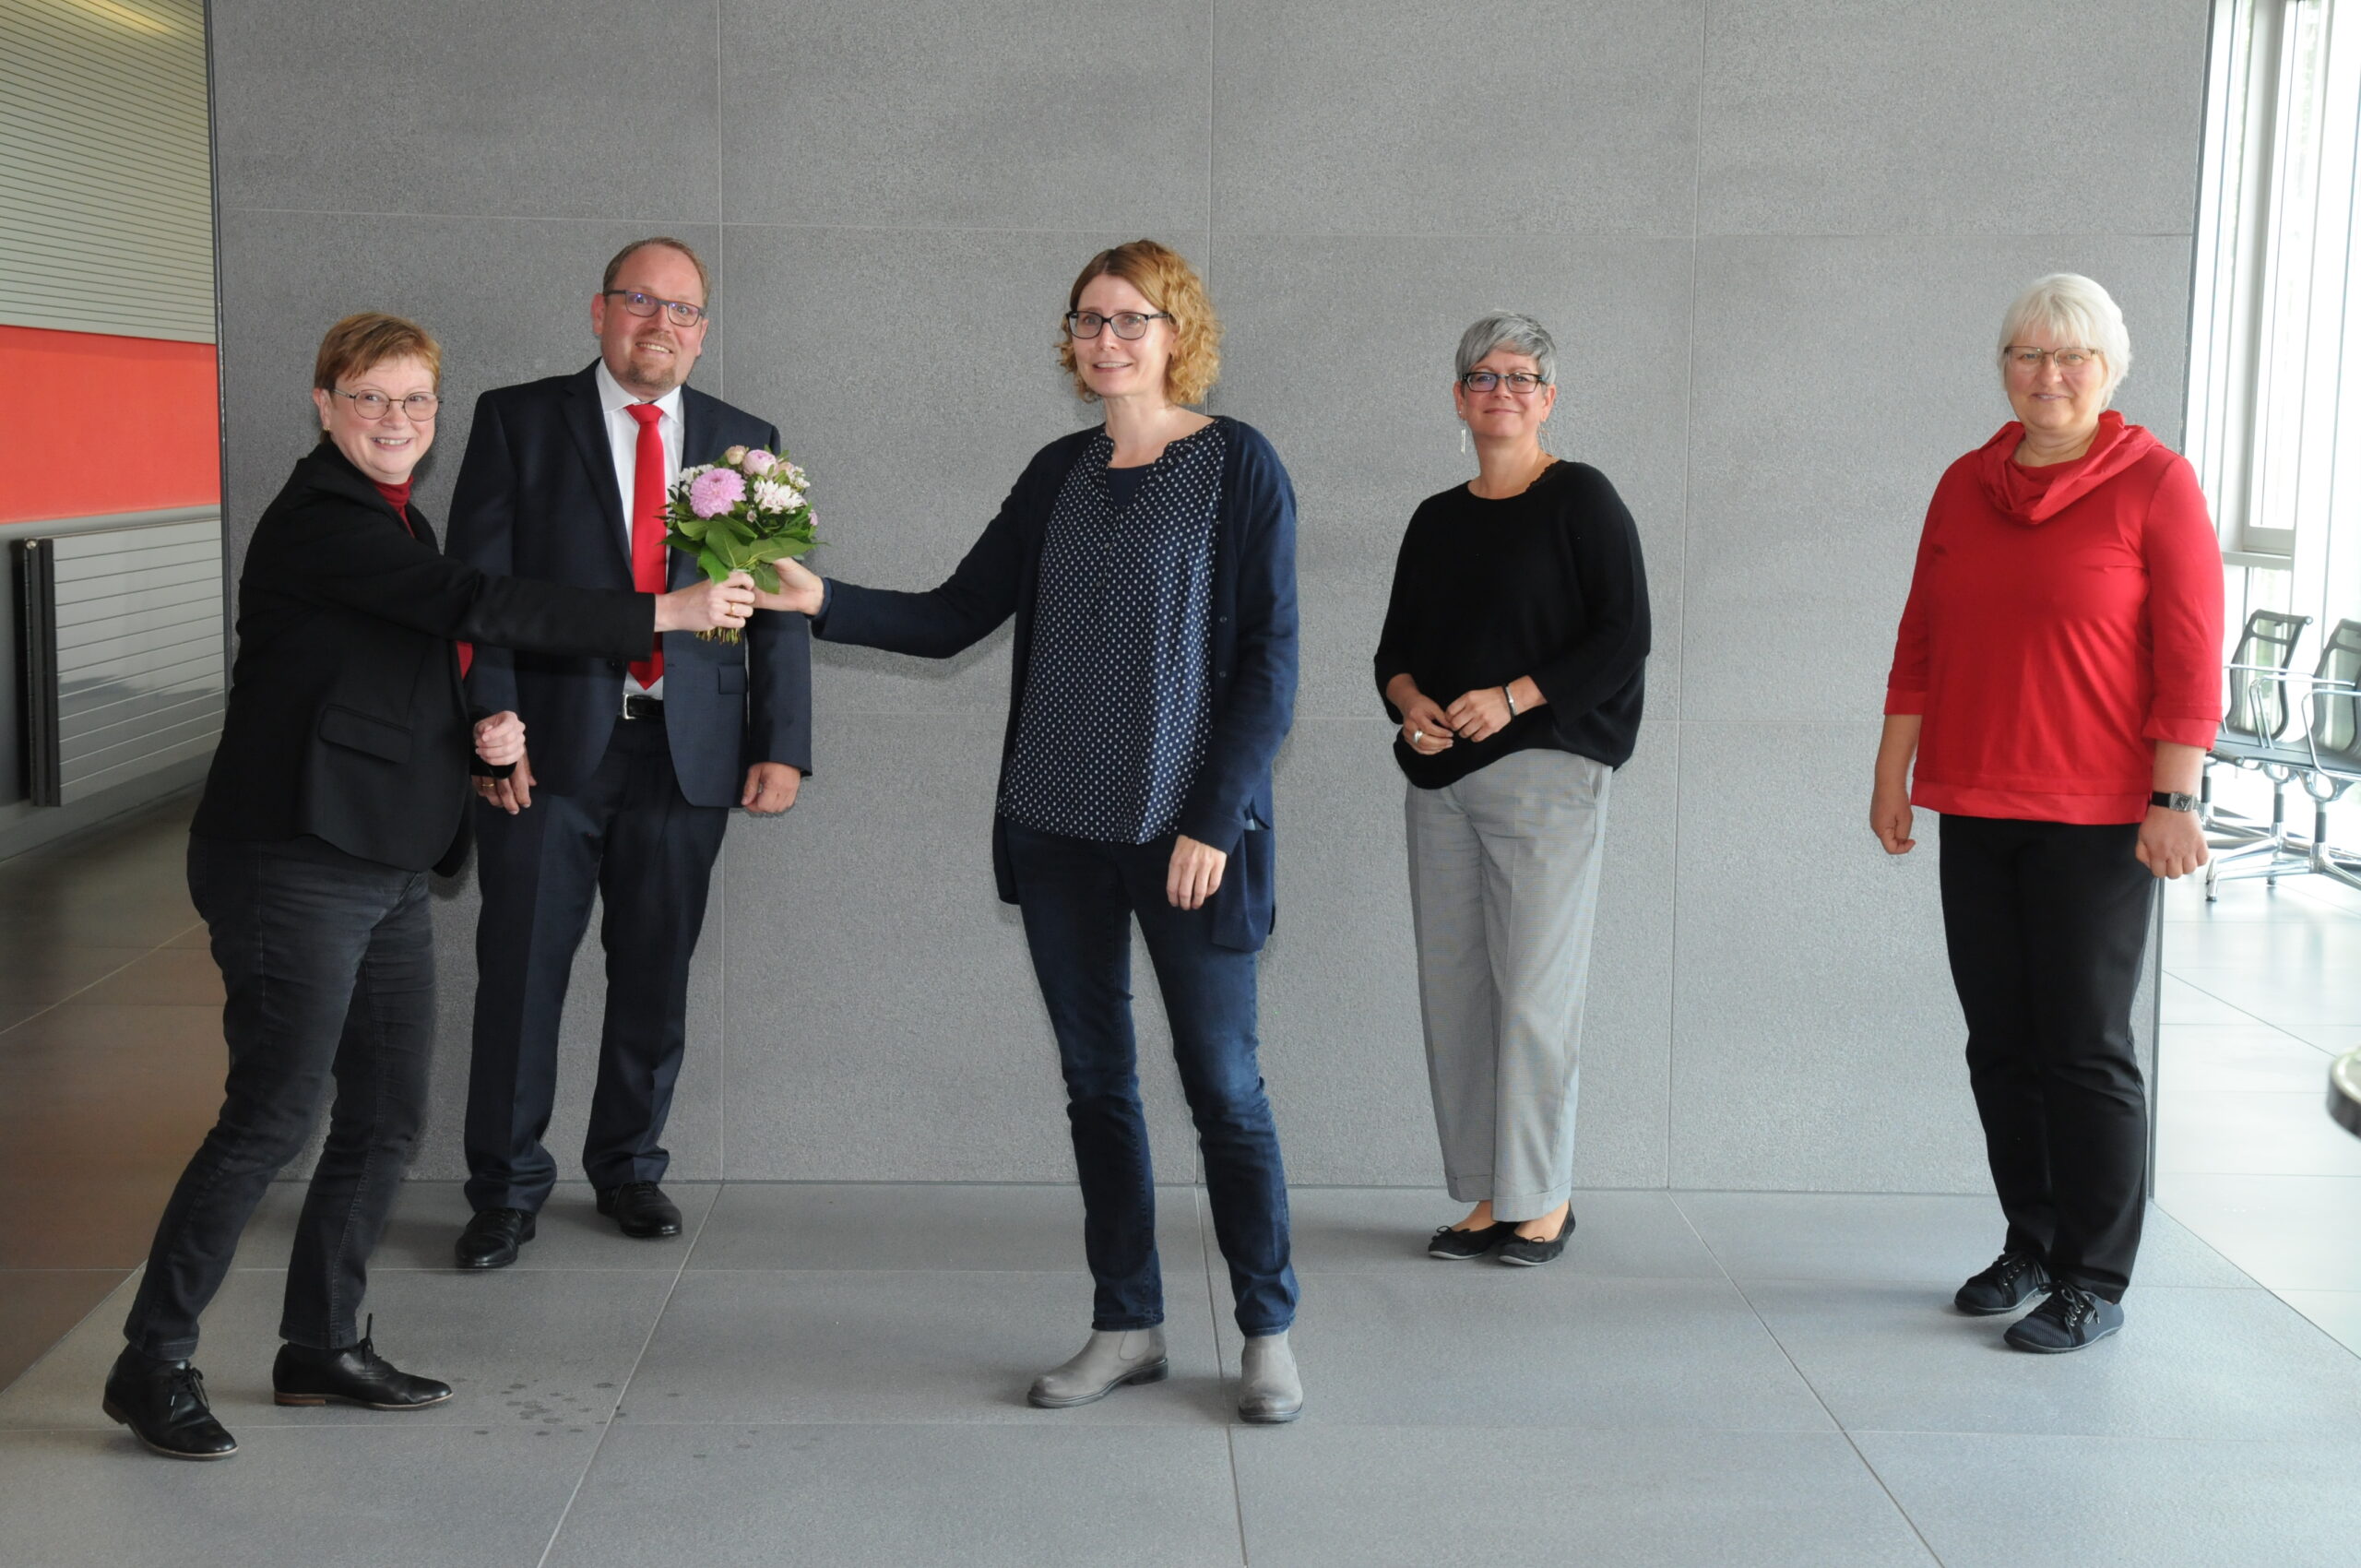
(734, 456)
(795, 476)
(773, 496)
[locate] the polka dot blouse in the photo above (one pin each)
(1118, 692)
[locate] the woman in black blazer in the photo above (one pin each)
(342, 777)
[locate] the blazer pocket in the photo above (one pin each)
(732, 678)
(377, 737)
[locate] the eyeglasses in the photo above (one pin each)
(419, 406)
(1524, 382)
(1131, 325)
(2020, 356)
(679, 312)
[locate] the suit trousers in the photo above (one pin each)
(629, 839)
(328, 966)
(1079, 899)
(2048, 924)
(1505, 869)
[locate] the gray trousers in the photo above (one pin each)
(1504, 871)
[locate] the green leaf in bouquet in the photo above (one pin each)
(715, 568)
(765, 577)
(688, 527)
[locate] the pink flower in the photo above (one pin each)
(710, 494)
(758, 462)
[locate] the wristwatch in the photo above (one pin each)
(2172, 802)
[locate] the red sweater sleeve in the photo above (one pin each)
(2185, 610)
(1905, 684)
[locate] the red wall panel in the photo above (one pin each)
(90, 424)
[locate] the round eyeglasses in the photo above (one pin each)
(419, 406)
(680, 313)
(1524, 382)
(2020, 356)
(1131, 325)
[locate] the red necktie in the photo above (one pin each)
(648, 525)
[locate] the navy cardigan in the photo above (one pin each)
(1255, 651)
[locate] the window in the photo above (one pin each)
(2274, 389)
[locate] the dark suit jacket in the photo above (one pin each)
(1254, 647)
(537, 498)
(345, 719)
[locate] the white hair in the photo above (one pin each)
(2074, 309)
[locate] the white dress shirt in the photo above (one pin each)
(623, 436)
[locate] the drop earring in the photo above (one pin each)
(1463, 438)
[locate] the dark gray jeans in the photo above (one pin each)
(328, 961)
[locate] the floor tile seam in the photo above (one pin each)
(2248, 1012)
(2318, 1326)
(1690, 1221)
(2307, 1440)
(1950, 1283)
(68, 999)
(1828, 1410)
(1020, 1421)
(623, 1392)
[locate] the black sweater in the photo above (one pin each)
(1547, 584)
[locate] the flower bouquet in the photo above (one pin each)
(739, 514)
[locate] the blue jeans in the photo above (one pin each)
(1079, 900)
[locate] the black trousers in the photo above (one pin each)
(2047, 924)
(328, 963)
(627, 838)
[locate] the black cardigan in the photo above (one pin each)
(346, 721)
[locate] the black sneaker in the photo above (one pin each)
(1520, 1252)
(1458, 1246)
(2014, 1279)
(2069, 1320)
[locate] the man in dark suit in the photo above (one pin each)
(632, 765)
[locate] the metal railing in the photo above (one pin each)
(122, 647)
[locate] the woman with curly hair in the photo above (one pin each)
(1150, 564)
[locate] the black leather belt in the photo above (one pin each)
(640, 707)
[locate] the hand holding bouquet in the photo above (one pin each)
(739, 514)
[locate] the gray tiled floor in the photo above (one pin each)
(834, 1374)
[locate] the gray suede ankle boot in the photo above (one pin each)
(1112, 1358)
(1269, 1388)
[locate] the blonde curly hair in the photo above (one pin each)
(1172, 286)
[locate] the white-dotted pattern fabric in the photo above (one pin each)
(1117, 687)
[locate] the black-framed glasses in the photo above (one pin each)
(680, 313)
(1131, 325)
(2025, 356)
(1522, 382)
(419, 406)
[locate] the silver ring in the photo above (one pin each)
(1417, 735)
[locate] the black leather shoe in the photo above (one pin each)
(2014, 1279)
(641, 1209)
(491, 1238)
(163, 1404)
(1458, 1246)
(1523, 1253)
(354, 1375)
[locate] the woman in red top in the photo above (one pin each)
(2057, 679)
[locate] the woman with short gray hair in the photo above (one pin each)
(2055, 682)
(1511, 659)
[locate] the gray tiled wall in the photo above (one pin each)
(1774, 237)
